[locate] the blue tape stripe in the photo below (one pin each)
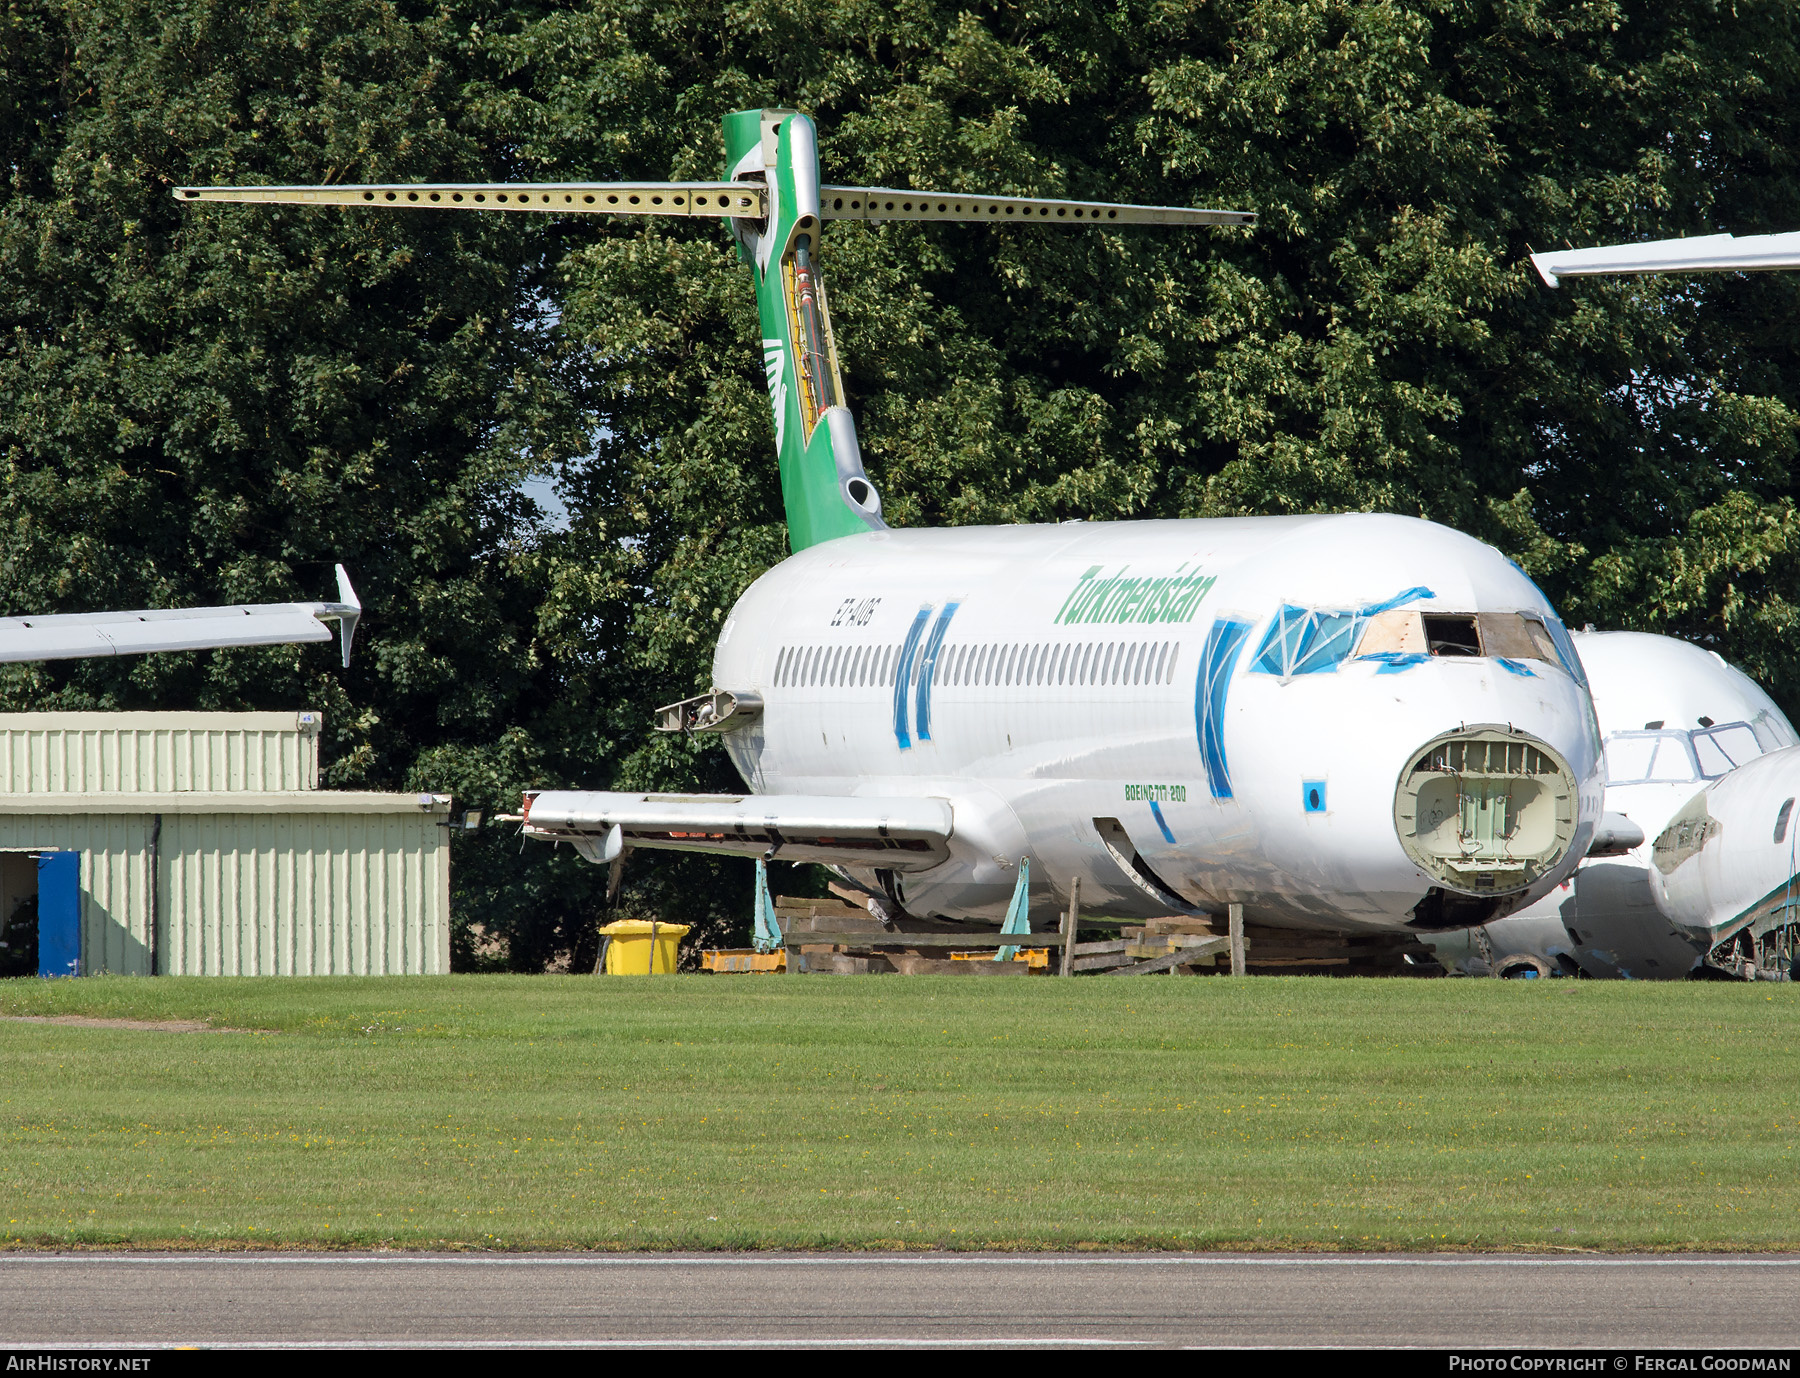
(927, 670)
(1224, 642)
(903, 673)
(1161, 822)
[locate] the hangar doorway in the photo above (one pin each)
(40, 913)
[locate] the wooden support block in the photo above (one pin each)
(1235, 918)
(1102, 962)
(1110, 945)
(889, 938)
(908, 965)
(1180, 955)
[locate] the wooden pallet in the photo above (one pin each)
(742, 959)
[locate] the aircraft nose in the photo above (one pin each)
(1486, 810)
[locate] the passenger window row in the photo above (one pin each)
(1066, 663)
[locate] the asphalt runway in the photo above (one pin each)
(290, 1300)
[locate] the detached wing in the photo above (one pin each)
(73, 636)
(899, 834)
(1711, 253)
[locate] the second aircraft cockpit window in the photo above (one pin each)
(1660, 755)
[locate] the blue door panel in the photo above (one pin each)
(59, 914)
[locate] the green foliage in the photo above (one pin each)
(203, 404)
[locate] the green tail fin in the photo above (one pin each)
(823, 486)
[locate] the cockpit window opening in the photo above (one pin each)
(1451, 634)
(1540, 637)
(1723, 748)
(1649, 757)
(1781, 820)
(1565, 651)
(1770, 735)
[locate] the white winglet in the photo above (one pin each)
(74, 636)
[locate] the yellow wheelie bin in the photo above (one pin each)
(628, 945)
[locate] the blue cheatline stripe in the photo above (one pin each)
(928, 668)
(1161, 822)
(903, 672)
(1224, 642)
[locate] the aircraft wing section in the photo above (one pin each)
(1711, 253)
(899, 834)
(73, 636)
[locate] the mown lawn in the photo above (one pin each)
(819, 1111)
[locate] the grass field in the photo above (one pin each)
(703, 1112)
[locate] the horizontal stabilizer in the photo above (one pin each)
(74, 636)
(1710, 253)
(734, 199)
(886, 203)
(898, 834)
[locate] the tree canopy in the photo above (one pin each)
(215, 403)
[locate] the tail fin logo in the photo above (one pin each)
(775, 367)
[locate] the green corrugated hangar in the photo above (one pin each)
(207, 848)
